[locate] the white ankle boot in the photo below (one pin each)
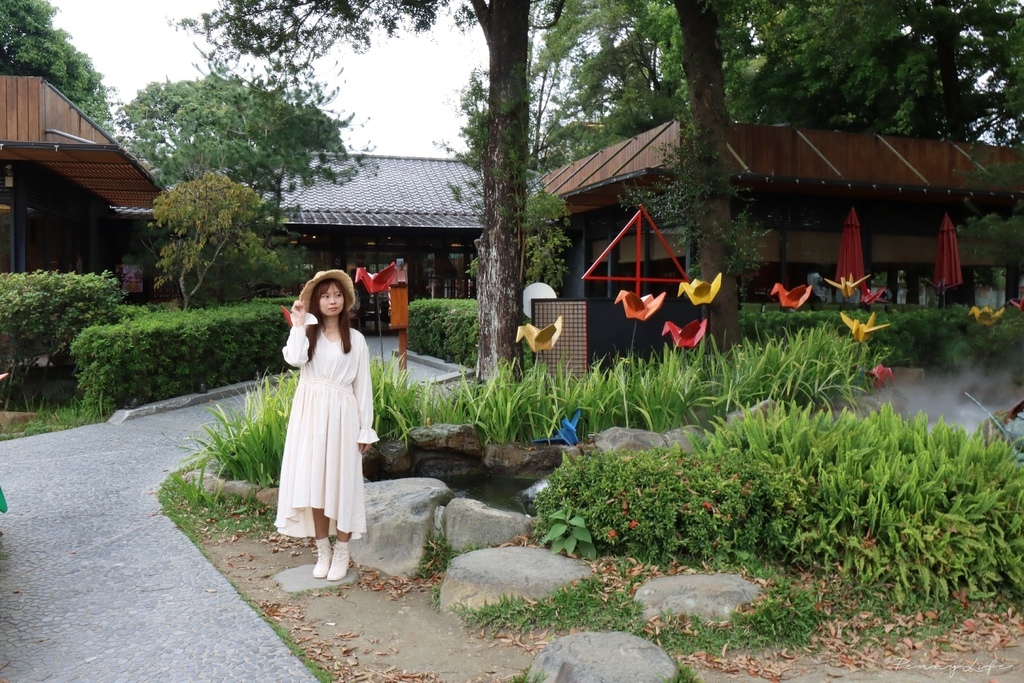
(323, 558)
(339, 565)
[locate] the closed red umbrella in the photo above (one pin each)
(851, 257)
(947, 259)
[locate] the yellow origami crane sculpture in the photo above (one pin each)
(640, 308)
(540, 339)
(847, 286)
(986, 316)
(701, 292)
(861, 331)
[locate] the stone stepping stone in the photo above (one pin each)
(299, 579)
(609, 657)
(483, 577)
(711, 596)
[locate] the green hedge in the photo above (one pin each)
(444, 328)
(42, 312)
(168, 353)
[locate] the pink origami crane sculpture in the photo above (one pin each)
(986, 316)
(640, 308)
(688, 336)
(793, 298)
(861, 331)
(1017, 303)
(701, 292)
(4, 375)
(881, 373)
(376, 283)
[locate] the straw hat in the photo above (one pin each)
(347, 288)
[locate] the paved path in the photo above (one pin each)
(97, 585)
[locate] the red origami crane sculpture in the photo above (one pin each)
(793, 298)
(640, 308)
(881, 373)
(376, 283)
(1016, 303)
(688, 336)
(868, 297)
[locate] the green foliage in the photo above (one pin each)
(249, 444)
(31, 46)
(567, 533)
(42, 312)
(437, 555)
(201, 222)
(659, 504)
(168, 353)
(925, 511)
(444, 328)
(203, 516)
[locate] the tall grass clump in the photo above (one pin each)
(924, 511)
(399, 403)
(249, 444)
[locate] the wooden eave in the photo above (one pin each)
(783, 159)
(41, 126)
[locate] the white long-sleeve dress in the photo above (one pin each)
(332, 413)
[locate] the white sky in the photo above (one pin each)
(403, 92)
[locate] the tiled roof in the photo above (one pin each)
(393, 192)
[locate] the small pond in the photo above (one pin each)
(514, 494)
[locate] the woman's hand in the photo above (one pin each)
(363, 447)
(298, 314)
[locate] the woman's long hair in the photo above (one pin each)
(313, 331)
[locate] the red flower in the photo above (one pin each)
(612, 534)
(707, 505)
(634, 524)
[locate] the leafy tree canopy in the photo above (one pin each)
(268, 137)
(31, 46)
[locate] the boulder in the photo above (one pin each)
(483, 577)
(268, 496)
(394, 457)
(469, 523)
(711, 596)
(682, 437)
(445, 437)
(762, 408)
(239, 488)
(610, 657)
(400, 518)
(626, 439)
(532, 460)
(441, 464)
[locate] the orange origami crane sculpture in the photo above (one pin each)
(640, 308)
(540, 338)
(688, 336)
(986, 316)
(376, 283)
(861, 331)
(700, 292)
(847, 286)
(793, 298)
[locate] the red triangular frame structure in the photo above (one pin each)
(638, 221)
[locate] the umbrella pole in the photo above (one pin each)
(380, 333)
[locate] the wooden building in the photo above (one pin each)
(67, 188)
(800, 185)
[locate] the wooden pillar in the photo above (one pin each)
(400, 312)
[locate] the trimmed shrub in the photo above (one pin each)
(42, 312)
(169, 353)
(444, 328)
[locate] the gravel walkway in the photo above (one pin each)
(97, 585)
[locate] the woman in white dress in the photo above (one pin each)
(331, 424)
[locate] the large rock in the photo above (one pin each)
(483, 577)
(763, 408)
(626, 439)
(712, 596)
(399, 517)
(590, 657)
(394, 457)
(682, 437)
(535, 460)
(445, 437)
(471, 524)
(443, 464)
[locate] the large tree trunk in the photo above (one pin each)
(702, 63)
(499, 291)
